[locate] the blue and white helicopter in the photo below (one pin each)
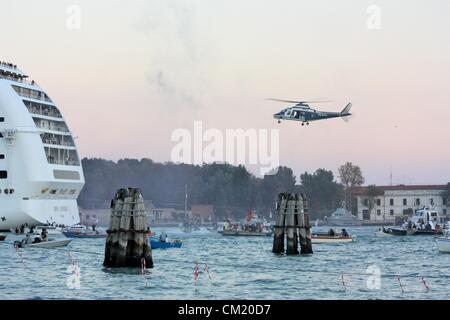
(302, 112)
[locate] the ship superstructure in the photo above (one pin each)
(40, 169)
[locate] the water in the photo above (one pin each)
(241, 268)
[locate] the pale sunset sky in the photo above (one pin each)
(137, 70)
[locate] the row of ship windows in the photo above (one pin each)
(50, 125)
(66, 158)
(54, 156)
(48, 137)
(56, 139)
(42, 109)
(32, 94)
(62, 156)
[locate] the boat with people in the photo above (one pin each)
(332, 236)
(43, 244)
(388, 232)
(425, 221)
(253, 226)
(158, 244)
(40, 241)
(80, 231)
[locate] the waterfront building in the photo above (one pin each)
(396, 203)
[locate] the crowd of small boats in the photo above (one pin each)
(425, 221)
(252, 226)
(37, 236)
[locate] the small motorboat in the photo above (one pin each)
(79, 231)
(408, 232)
(425, 221)
(418, 232)
(157, 244)
(443, 244)
(43, 244)
(332, 236)
(84, 235)
(326, 238)
(391, 232)
(381, 233)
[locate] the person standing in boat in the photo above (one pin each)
(27, 239)
(163, 237)
(345, 233)
(44, 235)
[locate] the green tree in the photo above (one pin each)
(282, 181)
(350, 176)
(323, 193)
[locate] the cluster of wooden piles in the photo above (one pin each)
(292, 222)
(127, 244)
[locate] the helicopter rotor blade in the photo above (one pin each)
(295, 101)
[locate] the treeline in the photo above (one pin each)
(231, 189)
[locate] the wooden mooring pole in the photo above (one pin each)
(292, 220)
(278, 235)
(127, 244)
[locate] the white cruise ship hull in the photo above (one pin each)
(38, 212)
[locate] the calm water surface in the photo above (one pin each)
(241, 268)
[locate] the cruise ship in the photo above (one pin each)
(40, 171)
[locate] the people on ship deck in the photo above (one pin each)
(331, 232)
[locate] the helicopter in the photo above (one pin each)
(301, 111)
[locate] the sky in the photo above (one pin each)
(135, 71)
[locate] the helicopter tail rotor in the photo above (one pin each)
(345, 113)
(346, 110)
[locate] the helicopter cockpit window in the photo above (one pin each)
(288, 113)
